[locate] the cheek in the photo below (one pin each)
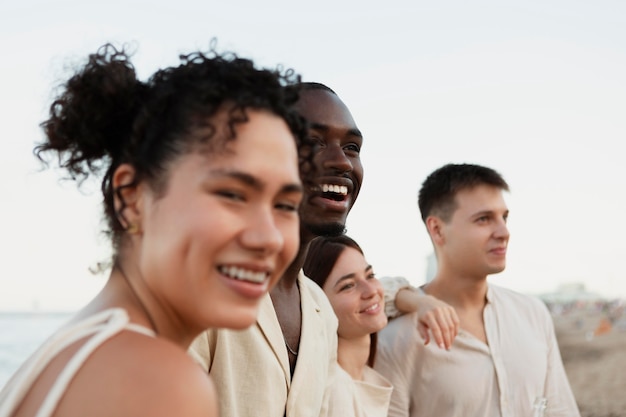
(344, 323)
(179, 233)
(165, 249)
(343, 309)
(470, 241)
(358, 169)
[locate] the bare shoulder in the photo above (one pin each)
(133, 374)
(180, 384)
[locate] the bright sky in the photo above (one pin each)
(535, 89)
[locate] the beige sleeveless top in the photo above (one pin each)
(97, 329)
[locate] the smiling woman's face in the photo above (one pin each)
(226, 228)
(356, 295)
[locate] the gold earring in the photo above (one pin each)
(132, 229)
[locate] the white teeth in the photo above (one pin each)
(333, 188)
(243, 274)
(372, 307)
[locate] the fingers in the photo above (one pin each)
(441, 333)
(423, 331)
(443, 323)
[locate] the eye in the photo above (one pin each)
(482, 219)
(371, 275)
(352, 147)
(287, 206)
(231, 195)
(318, 142)
(346, 286)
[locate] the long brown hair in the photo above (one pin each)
(321, 259)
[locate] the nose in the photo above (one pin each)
(333, 157)
(262, 234)
(502, 230)
(370, 288)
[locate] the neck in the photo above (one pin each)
(124, 290)
(459, 291)
(147, 307)
(290, 276)
(352, 355)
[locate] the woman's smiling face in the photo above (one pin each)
(226, 227)
(356, 295)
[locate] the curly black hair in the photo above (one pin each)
(104, 116)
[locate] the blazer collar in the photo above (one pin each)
(309, 338)
(270, 327)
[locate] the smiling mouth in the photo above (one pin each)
(334, 192)
(370, 308)
(242, 274)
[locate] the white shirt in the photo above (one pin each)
(367, 398)
(520, 363)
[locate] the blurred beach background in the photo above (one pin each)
(592, 339)
(533, 88)
(21, 333)
(591, 332)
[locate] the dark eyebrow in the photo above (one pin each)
(343, 278)
(487, 213)
(324, 128)
(482, 213)
(355, 132)
(253, 182)
(350, 275)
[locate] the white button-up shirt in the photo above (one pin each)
(520, 363)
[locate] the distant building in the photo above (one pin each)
(571, 291)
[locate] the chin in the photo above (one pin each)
(382, 322)
(497, 269)
(326, 229)
(236, 320)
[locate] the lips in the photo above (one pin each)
(336, 192)
(244, 274)
(500, 250)
(372, 309)
(333, 193)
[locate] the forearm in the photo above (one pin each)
(393, 287)
(408, 300)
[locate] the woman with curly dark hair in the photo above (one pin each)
(202, 169)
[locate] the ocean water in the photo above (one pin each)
(21, 334)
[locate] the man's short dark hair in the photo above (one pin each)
(439, 189)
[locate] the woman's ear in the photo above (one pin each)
(435, 229)
(127, 198)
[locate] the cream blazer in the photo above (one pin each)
(250, 368)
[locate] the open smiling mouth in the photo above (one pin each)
(241, 274)
(371, 308)
(334, 192)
